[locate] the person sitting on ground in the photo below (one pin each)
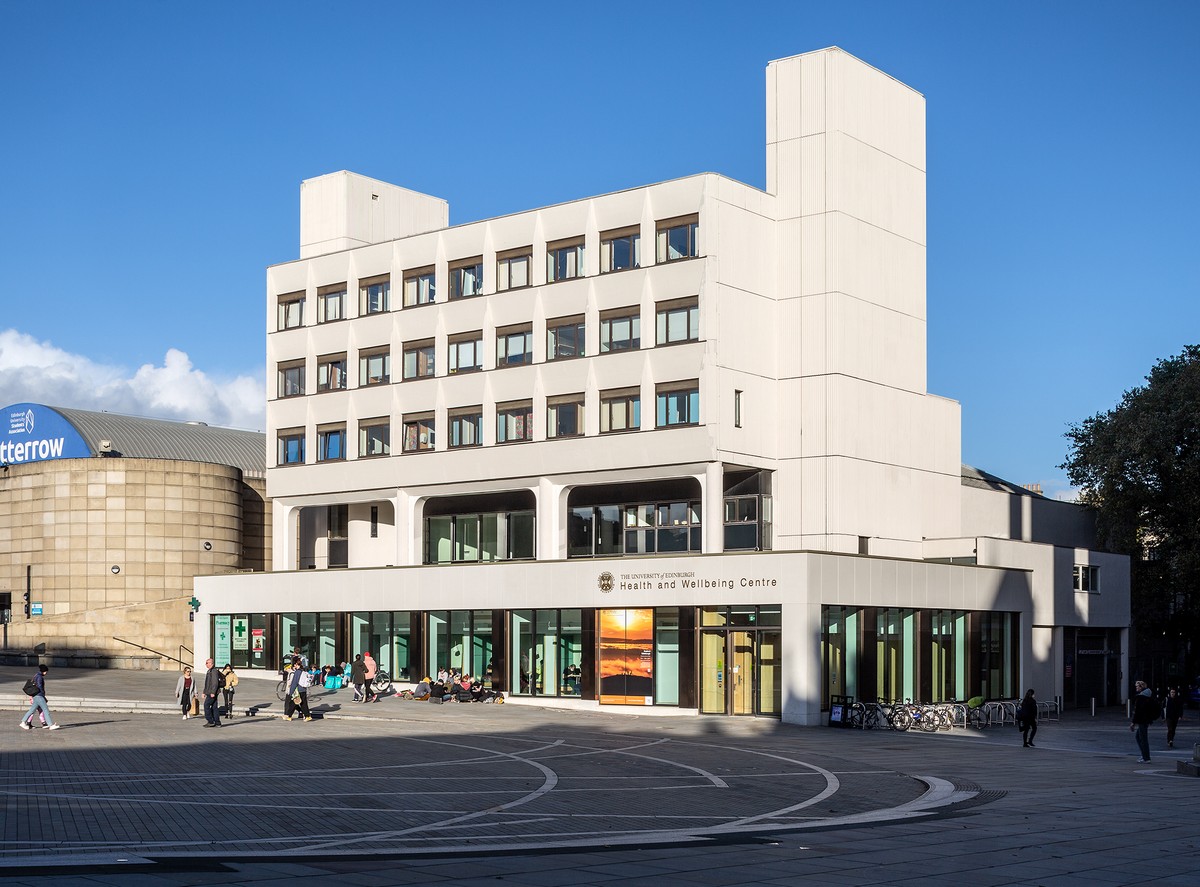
(423, 688)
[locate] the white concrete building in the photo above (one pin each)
(677, 438)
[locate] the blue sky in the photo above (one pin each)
(152, 156)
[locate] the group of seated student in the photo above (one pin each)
(452, 686)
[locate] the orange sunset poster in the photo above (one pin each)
(626, 657)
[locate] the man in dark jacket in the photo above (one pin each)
(212, 690)
(1145, 713)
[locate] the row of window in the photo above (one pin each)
(676, 403)
(677, 322)
(619, 250)
(618, 530)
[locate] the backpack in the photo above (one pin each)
(31, 688)
(220, 681)
(1153, 709)
(305, 679)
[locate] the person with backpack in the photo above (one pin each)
(1145, 713)
(35, 689)
(298, 692)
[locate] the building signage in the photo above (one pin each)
(222, 635)
(34, 433)
(258, 641)
(35, 609)
(680, 579)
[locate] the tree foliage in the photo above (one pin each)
(1139, 465)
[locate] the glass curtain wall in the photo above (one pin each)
(494, 536)
(948, 655)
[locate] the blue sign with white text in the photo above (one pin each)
(34, 433)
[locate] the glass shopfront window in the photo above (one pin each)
(461, 641)
(388, 637)
(314, 633)
(546, 652)
(927, 655)
(248, 643)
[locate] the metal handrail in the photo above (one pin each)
(148, 649)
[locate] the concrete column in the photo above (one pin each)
(713, 487)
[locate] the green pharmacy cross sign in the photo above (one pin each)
(195, 604)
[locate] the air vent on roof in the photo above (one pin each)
(106, 446)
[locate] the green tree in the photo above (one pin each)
(1139, 465)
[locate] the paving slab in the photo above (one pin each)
(401, 792)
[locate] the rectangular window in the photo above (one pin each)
(418, 433)
(677, 239)
(677, 404)
(620, 250)
(514, 422)
(375, 295)
(1087, 578)
(564, 416)
(514, 346)
(466, 428)
(466, 278)
(374, 521)
(331, 443)
(564, 260)
(331, 372)
(418, 360)
(331, 303)
(291, 447)
(466, 353)
(742, 523)
(419, 288)
(564, 338)
(737, 409)
(678, 322)
(291, 379)
(620, 410)
(374, 367)
(512, 269)
(291, 311)
(374, 438)
(621, 330)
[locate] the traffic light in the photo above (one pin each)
(26, 596)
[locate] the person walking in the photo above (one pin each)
(212, 690)
(358, 677)
(231, 682)
(1174, 713)
(38, 700)
(1145, 712)
(1027, 718)
(186, 690)
(368, 692)
(298, 692)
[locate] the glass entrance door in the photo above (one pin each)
(733, 680)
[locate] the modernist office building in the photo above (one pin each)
(670, 446)
(105, 520)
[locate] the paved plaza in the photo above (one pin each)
(401, 792)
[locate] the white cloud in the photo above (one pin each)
(38, 372)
